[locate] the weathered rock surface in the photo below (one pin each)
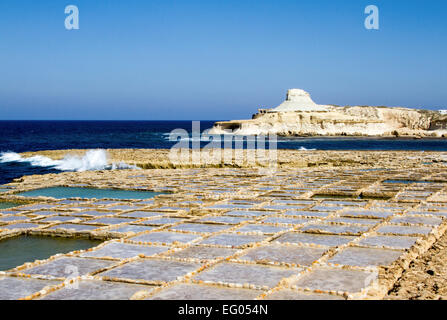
(159, 158)
(426, 277)
(300, 116)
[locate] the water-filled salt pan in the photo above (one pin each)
(87, 193)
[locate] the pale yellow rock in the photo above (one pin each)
(300, 116)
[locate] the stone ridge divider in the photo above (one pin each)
(159, 159)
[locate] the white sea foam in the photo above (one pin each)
(92, 160)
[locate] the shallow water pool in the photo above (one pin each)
(406, 181)
(18, 250)
(333, 196)
(89, 193)
(7, 205)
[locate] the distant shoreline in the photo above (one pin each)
(363, 138)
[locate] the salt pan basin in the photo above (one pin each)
(18, 250)
(7, 205)
(89, 193)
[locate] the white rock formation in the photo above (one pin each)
(300, 116)
(299, 100)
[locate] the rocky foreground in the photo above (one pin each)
(324, 225)
(298, 115)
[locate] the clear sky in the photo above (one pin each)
(190, 59)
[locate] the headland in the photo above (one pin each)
(299, 115)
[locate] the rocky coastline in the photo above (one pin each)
(299, 116)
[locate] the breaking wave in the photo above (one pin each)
(92, 160)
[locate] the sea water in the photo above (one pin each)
(21, 136)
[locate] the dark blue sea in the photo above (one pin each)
(21, 136)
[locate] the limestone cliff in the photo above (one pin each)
(298, 115)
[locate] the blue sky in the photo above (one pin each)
(155, 60)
